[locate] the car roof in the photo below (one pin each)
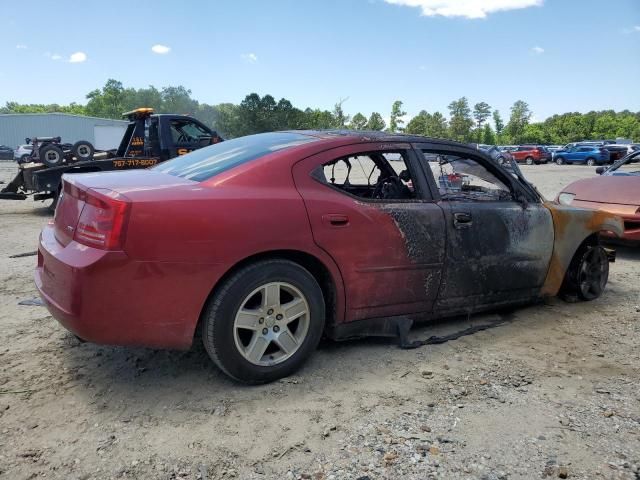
(377, 136)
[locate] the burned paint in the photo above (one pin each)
(572, 227)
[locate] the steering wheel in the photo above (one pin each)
(389, 187)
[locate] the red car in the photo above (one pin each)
(267, 242)
(531, 154)
(617, 190)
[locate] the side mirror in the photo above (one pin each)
(600, 170)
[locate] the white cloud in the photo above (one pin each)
(637, 28)
(20, 46)
(537, 50)
(77, 57)
(160, 49)
(465, 8)
(249, 57)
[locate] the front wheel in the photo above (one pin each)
(264, 321)
(587, 275)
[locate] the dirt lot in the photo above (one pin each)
(553, 393)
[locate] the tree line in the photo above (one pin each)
(479, 123)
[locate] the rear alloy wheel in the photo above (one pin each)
(51, 155)
(591, 162)
(587, 275)
(559, 161)
(529, 160)
(264, 322)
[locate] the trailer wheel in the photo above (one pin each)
(83, 150)
(51, 155)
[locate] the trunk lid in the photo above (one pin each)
(77, 188)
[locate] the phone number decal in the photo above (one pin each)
(135, 162)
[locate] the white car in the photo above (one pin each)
(21, 153)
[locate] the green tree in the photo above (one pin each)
(358, 122)
(396, 121)
(481, 112)
(460, 121)
(488, 136)
(498, 123)
(520, 116)
(340, 118)
(376, 122)
(418, 124)
(437, 126)
(108, 102)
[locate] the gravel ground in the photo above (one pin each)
(553, 393)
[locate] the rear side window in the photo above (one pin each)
(207, 162)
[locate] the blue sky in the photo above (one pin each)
(558, 55)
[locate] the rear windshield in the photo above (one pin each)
(204, 163)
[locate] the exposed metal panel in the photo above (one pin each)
(15, 127)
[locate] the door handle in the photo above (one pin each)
(336, 220)
(462, 220)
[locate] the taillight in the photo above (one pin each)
(103, 221)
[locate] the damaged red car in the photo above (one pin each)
(266, 243)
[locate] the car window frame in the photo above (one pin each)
(514, 185)
(420, 184)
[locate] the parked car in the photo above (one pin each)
(617, 151)
(590, 155)
(6, 153)
(531, 154)
(501, 156)
(267, 242)
(22, 153)
(617, 190)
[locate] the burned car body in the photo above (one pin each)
(269, 241)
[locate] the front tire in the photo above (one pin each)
(587, 275)
(264, 321)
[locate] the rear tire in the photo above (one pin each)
(529, 161)
(83, 151)
(591, 162)
(51, 155)
(243, 315)
(559, 161)
(587, 274)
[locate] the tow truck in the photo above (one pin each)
(149, 139)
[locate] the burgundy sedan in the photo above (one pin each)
(268, 242)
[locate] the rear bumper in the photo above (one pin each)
(107, 298)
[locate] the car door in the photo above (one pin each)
(186, 134)
(389, 247)
(499, 237)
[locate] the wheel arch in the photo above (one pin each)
(328, 277)
(574, 227)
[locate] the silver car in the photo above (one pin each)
(21, 153)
